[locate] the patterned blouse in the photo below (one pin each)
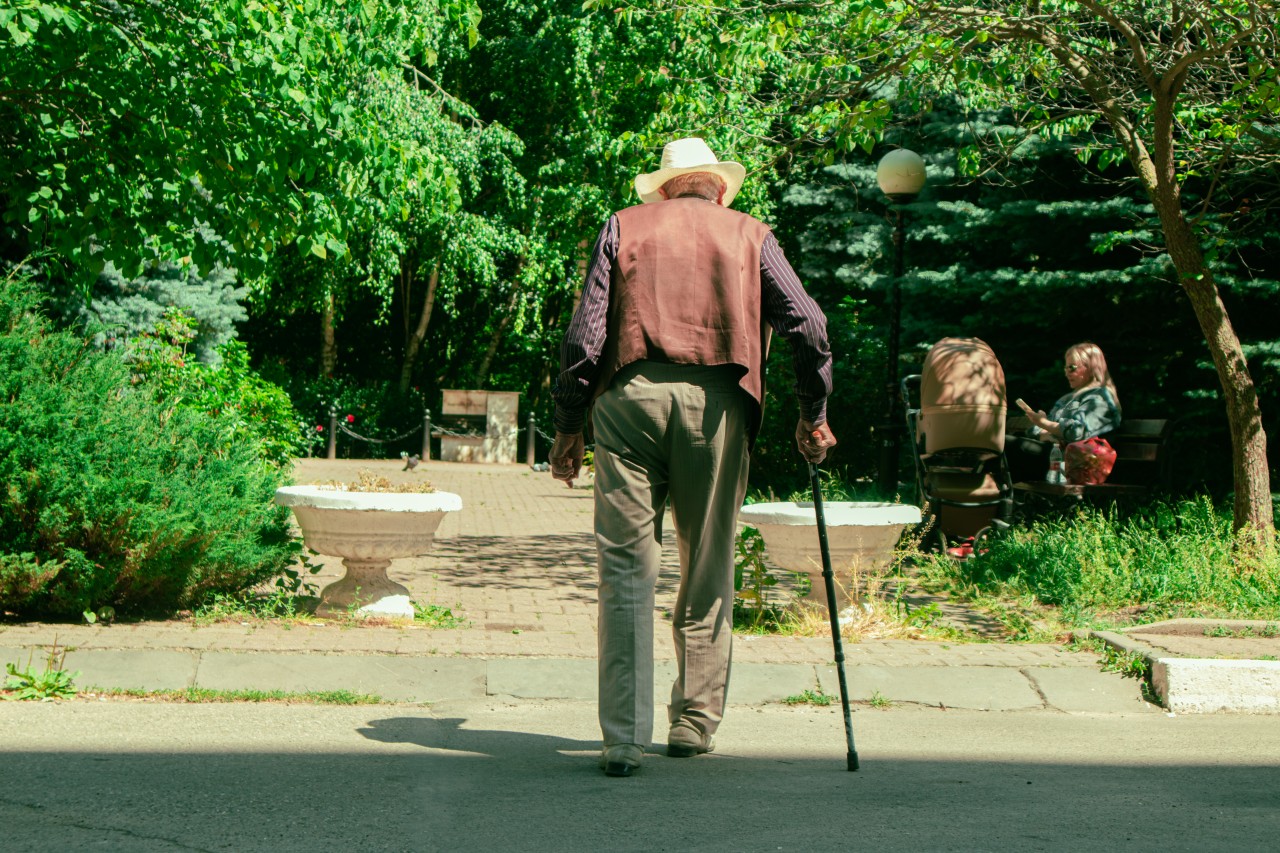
(1084, 414)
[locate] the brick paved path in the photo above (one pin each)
(519, 563)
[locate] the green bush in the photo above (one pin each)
(1174, 559)
(249, 408)
(109, 496)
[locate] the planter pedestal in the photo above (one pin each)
(367, 530)
(365, 590)
(860, 536)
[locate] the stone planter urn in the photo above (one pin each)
(367, 530)
(861, 537)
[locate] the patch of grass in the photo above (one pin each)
(1267, 631)
(879, 700)
(435, 616)
(201, 695)
(810, 697)
(279, 604)
(1104, 569)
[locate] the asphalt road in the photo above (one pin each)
(488, 775)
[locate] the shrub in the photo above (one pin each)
(251, 410)
(110, 496)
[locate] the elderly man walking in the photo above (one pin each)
(669, 346)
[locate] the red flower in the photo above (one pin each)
(351, 419)
(319, 428)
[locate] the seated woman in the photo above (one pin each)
(1091, 407)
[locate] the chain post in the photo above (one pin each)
(426, 434)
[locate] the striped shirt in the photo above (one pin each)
(787, 308)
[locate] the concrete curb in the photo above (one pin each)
(425, 678)
(1187, 685)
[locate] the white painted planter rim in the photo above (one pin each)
(327, 497)
(836, 513)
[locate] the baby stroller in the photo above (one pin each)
(956, 418)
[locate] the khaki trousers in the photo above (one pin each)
(677, 433)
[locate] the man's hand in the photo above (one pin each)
(566, 457)
(813, 441)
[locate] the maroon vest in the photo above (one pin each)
(686, 290)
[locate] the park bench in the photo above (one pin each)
(481, 426)
(1142, 464)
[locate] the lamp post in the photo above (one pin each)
(901, 176)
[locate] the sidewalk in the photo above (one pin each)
(518, 562)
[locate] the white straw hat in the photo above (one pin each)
(682, 156)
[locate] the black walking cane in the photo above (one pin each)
(829, 578)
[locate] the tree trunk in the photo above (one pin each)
(328, 341)
(1250, 473)
(413, 344)
(1249, 469)
(504, 323)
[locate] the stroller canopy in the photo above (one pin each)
(962, 397)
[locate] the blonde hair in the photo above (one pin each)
(1090, 355)
(706, 185)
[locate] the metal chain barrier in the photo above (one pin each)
(429, 430)
(355, 435)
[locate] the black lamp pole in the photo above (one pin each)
(891, 429)
(901, 175)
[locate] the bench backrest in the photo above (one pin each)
(1139, 444)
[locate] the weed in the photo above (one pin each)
(280, 603)
(752, 581)
(435, 616)
(879, 700)
(28, 685)
(1128, 664)
(810, 697)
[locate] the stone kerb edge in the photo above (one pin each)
(1205, 685)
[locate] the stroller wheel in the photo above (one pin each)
(983, 538)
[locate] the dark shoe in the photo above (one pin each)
(621, 759)
(685, 740)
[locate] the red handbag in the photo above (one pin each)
(1089, 462)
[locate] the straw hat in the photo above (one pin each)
(682, 156)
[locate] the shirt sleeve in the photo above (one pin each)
(584, 341)
(795, 316)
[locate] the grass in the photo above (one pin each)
(1107, 570)
(1268, 631)
(200, 695)
(288, 609)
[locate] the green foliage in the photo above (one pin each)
(376, 410)
(122, 308)
(1125, 663)
(113, 497)
(810, 697)
(134, 122)
(47, 685)
(752, 579)
(435, 616)
(249, 410)
(1170, 559)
